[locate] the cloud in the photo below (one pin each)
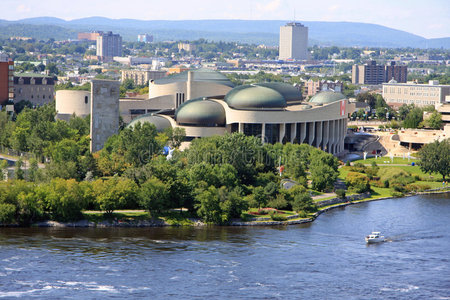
(22, 8)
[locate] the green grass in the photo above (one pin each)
(98, 216)
(381, 160)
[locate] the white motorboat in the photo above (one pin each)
(375, 237)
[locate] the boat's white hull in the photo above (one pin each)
(374, 241)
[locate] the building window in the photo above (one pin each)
(85, 99)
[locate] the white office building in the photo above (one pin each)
(293, 42)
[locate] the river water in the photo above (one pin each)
(327, 259)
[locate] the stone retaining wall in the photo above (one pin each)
(339, 200)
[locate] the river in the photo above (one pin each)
(326, 259)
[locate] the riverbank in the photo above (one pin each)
(327, 205)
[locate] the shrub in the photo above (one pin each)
(357, 182)
(277, 217)
(63, 199)
(416, 187)
(279, 202)
(7, 213)
(347, 163)
(397, 194)
(358, 167)
(340, 193)
(303, 202)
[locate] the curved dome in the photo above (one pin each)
(202, 74)
(289, 92)
(160, 123)
(327, 97)
(202, 112)
(255, 97)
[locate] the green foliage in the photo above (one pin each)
(115, 193)
(358, 182)
(279, 202)
(153, 196)
(70, 86)
(208, 205)
(434, 121)
(7, 213)
(413, 118)
(277, 216)
(303, 202)
(133, 146)
(18, 171)
(435, 157)
(62, 199)
(323, 168)
(175, 136)
(340, 193)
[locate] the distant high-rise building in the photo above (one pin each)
(371, 73)
(293, 42)
(145, 38)
(398, 73)
(89, 36)
(108, 46)
(186, 47)
(6, 80)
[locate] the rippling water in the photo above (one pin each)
(327, 259)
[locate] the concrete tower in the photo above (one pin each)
(293, 42)
(104, 111)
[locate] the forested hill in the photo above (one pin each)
(248, 31)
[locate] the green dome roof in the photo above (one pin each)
(201, 112)
(202, 74)
(255, 97)
(160, 123)
(327, 97)
(289, 92)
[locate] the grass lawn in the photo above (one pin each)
(285, 213)
(126, 215)
(381, 160)
(172, 217)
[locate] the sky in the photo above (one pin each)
(427, 18)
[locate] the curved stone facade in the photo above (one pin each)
(69, 102)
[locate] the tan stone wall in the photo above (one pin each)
(104, 112)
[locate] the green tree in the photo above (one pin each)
(208, 205)
(434, 121)
(115, 193)
(18, 171)
(154, 196)
(435, 157)
(413, 118)
(63, 200)
(303, 202)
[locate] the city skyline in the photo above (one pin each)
(429, 21)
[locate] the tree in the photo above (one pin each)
(259, 196)
(62, 199)
(154, 195)
(208, 205)
(358, 182)
(434, 121)
(115, 193)
(303, 202)
(18, 172)
(413, 118)
(435, 157)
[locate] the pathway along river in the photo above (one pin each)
(327, 259)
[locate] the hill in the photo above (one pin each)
(248, 31)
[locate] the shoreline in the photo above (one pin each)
(199, 223)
